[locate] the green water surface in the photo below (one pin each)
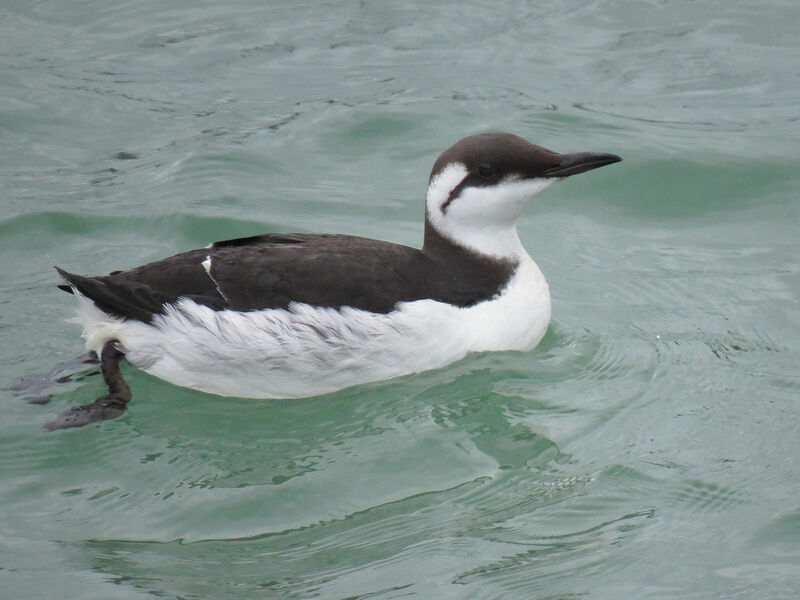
(648, 448)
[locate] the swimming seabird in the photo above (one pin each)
(295, 315)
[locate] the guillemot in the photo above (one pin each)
(297, 315)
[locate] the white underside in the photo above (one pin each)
(306, 350)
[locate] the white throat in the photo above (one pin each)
(482, 219)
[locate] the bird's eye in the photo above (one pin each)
(485, 170)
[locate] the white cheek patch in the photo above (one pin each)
(529, 187)
(496, 204)
(481, 218)
(440, 187)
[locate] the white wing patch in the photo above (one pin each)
(207, 266)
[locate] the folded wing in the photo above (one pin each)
(266, 271)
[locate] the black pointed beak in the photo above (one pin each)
(580, 162)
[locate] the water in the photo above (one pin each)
(647, 449)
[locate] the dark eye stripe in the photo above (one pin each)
(471, 180)
(454, 193)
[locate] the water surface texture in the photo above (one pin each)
(647, 449)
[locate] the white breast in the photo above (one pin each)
(306, 350)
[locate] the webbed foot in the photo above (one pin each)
(105, 407)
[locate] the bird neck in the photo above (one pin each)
(491, 242)
(442, 248)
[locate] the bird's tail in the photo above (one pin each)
(124, 299)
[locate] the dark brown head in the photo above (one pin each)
(479, 186)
